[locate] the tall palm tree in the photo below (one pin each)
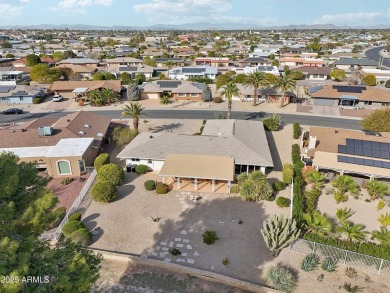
(353, 232)
(230, 90)
(134, 110)
(256, 79)
(284, 83)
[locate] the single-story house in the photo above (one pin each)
(22, 62)
(115, 63)
(88, 85)
(80, 61)
(212, 61)
(176, 89)
(355, 63)
(133, 70)
(255, 61)
(294, 62)
(224, 149)
(381, 75)
(161, 62)
(19, 94)
(314, 72)
(12, 77)
(84, 72)
(347, 152)
(65, 147)
(345, 96)
(187, 72)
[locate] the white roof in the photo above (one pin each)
(29, 152)
(80, 90)
(70, 147)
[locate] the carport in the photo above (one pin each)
(198, 169)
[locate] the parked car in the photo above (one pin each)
(12, 111)
(58, 98)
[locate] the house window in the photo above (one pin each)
(149, 161)
(21, 98)
(367, 102)
(386, 104)
(135, 160)
(64, 168)
(82, 166)
(194, 95)
(181, 95)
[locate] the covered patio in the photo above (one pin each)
(198, 172)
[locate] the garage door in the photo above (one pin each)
(324, 102)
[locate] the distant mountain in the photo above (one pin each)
(194, 26)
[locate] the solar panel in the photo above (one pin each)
(350, 141)
(374, 145)
(359, 161)
(351, 160)
(385, 155)
(341, 159)
(368, 162)
(358, 143)
(363, 162)
(349, 89)
(386, 165)
(376, 153)
(6, 89)
(193, 69)
(342, 149)
(168, 83)
(359, 151)
(377, 163)
(384, 146)
(367, 144)
(367, 152)
(350, 150)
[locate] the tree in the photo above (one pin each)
(278, 232)
(104, 191)
(271, 78)
(229, 91)
(297, 75)
(382, 235)
(288, 173)
(112, 173)
(376, 189)
(69, 54)
(134, 110)
(345, 183)
(27, 209)
(133, 93)
(285, 83)
(353, 232)
(103, 76)
(338, 74)
(104, 96)
(224, 79)
(58, 56)
(9, 55)
(256, 80)
(101, 160)
(314, 177)
(140, 78)
(377, 121)
(6, 45)
(125, 78)
(272, 123)
(255, 187)
(123, 136)
(150, 61)
(317, 223)
(369, 79)
(357, 49)
(343, 214)
(240, 78)
(32, 60)
(43, 74)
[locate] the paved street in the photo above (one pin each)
(374, 54)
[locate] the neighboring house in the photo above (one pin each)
(84, 72)
(12, 77)
(6, 62)
(266, 69)
(314, 73)
(133, 70)
(19, 94)
(193, 71)
(86, 85)
(116, 63)
(226, 148)
(357, 97)
(22, 62)
(65, 147)
(80, 61)
(355, 63)
(161, 62)
(269, 95)
(294, 62)
(347, 152)
(215, 61)
(177, 89)
(255, 61)
(381, 75)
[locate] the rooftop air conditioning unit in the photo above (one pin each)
(45, 130)
(87, 126)
(81, 132)
(100, 134)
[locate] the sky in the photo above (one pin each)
(151, 12)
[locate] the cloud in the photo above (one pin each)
(24, 1)
(9, 11)
(351, 18)
(68, 4)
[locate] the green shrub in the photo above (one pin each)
(340, 197)
(165, 100)
(75, 217)
(66, 181)
(37, 100)
(272, 123)
(104, 191)
(174, 251)
(288, 173)
(70, 227)
(298, 201)
(112, 173)
(150, 185)
(82, 236)
(226, 261)
(329, 264)
(296, 130)
(310, 262)
(281, 279)
(141, 169)
(283, 202)
(57, 216)
(311, 197)
(381, 204)
(217, 100)
(161, 188)
(278, 185)
(387, 84)
(101, 160)
(209, 237)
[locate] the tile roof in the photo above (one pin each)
(115, 85)
(373, 94)
(356, 61)
(314, 70)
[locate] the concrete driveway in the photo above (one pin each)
(326, 110)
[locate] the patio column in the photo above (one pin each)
(178, 183)
(229, 183)
(212, 185)
(371, 177)
(262, 169)
(163, 179)
(247, 169)
(342, 172)
(196, 184)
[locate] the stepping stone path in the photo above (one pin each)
(183, 244)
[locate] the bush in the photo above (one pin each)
(174, 251)
(281, 278)
(150, 185)
(312, 196)
(217, 100)
(297, 130)
(70, 227)
(82, 236)
(340, 197)
(283, 202)
(66, 181)
(112, 173)
(161, 188)
(75, 217)
(37, 100)
(104, 191)
(165, 100)
(101, 160)
(329, 264)
(381, 204)
(272, 123)
(141, 169)
(57, 216)
(278, 185)
(288, 173)
(387, 84)
(209, 237)
(310, 262)
(298, 201)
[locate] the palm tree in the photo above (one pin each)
(353, 232)
(318, 223)
(134, 110)
(344, 214)
(377, 189)
(229, 91)
(256, 79)
(383, 235)
(102, 97)
(284, 83)
(315, 177)
(345, 183)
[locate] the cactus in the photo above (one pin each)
(310, 262)
(329, 264)
(278, 232)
